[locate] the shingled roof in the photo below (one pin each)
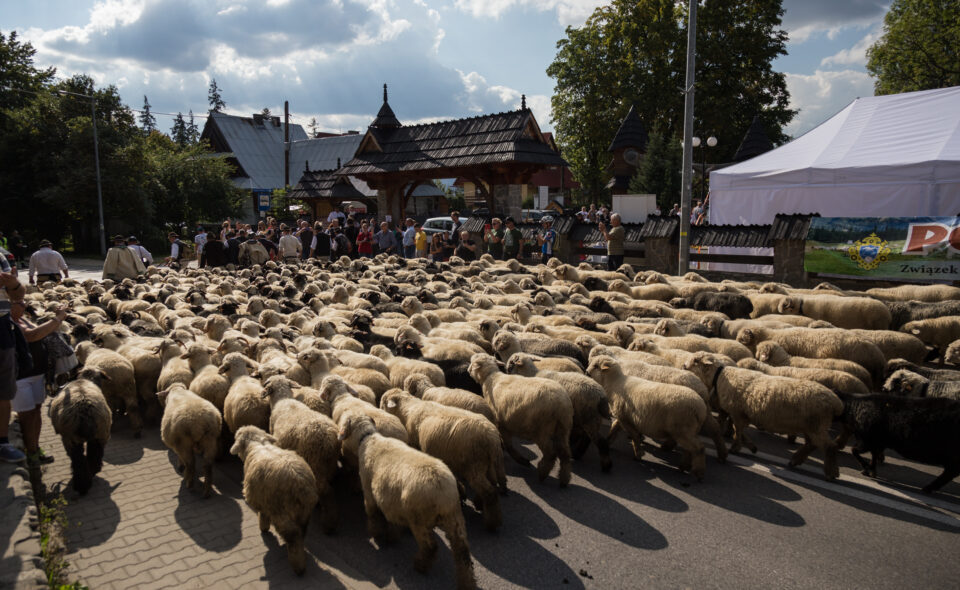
(513, 136)
(631, 133)
(790, 227)
(754, 143)
(325, 184)
(385, 118)
(733, 236)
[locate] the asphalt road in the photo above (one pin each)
(752, 523)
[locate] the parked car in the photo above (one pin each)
(533, 215)
(436, 225)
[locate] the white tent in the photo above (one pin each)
(890, 156)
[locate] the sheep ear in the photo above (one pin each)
(915, 332)
(391, 404)
(343, 434)
(605, 365)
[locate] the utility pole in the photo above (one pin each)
(686, 188)
(286, 143)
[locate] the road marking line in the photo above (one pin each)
(928, 512)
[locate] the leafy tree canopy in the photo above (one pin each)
(919, 49)
(634, 52)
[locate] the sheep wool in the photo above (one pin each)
(80, 415)
(190, 426)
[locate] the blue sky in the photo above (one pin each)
(441, 58)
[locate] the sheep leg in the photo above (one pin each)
(292, 535)
(712, 429)
(867, 467)
(740, 437)
(842, 438)
(489, 501)
(426, 548)
(668, 445)
(136, 421)
(562, 446)
(615, 428)
(328, 508)
(82, 476)
(579, 443)
(697, 456)
(455, 530)
(605, 463)
(949, 472)
(264, 522)
(184, 453)
(95, 456)
(801, 454)
(376, 521)
(511, 450)
(549, 451)
(498, 474)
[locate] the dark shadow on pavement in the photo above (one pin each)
(213, 523)
(744, 491)
(279, 575)
(93, 518)
(602, 514)
(629, 479)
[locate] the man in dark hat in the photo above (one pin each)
(121, 262)
(178, 249)
(47, 264)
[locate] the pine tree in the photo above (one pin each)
(265, 112)
(214, 98)
(193, 134)
(179, 132)
(312, 126)
(147, 121)
(659, 172)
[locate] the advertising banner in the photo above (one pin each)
(900, 248)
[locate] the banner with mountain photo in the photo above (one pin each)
(900, 248)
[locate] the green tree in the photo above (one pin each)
(193, 133)
(265, 112)
(919, 49)
(659, 171)
(147, 121)
(633, 52)
(312, 126)
(213, 97)
(179, 133)
(18, 76)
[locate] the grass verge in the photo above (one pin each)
(53, 546)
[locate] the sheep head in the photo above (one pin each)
(482, 366)
(96, 376)
(277, 388)
(749, 337)
(789, 306)
(236, 364)
(393, 401)
(355, 425)
(521, 363)
(334, 386)
(713, 324)
(601, 367)
(906, 383)
(247, 437)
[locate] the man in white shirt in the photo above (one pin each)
(409, 240)
(290, 246)
(46, 263)
(140, 251)
(200, 239)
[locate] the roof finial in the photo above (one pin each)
(384, 93)
(523, 102)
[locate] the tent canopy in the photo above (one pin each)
(896, 155)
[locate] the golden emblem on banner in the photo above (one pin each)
(869, 252)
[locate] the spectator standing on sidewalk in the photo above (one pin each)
(410, 240)
(420, 241)
(200, 239)
(494, 239)
(512, 240)
(365, 241)
(614, 237)
(122, 262)
(10, 290)
(215, 253)
(232, 245)
(547, 239)
(32, 386)
(47, 264)
(386, 243)
(305, 234)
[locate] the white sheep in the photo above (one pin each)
(937, 332)
(312, 435)
(409, 488)
(190, 426)
(776, 404)
(537, 409)
(838, 381)
(401, 367)
(80, 415)
(842, 312)
(646, 408)
(423, 388)
(279, 486)
(244, 403)
(119, 386)
(773, 354)
(466, 442)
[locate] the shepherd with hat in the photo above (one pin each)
(142, 253)
(46, 264)
(121, 262)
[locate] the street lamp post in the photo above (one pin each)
(711, 142)
(96, 161)
(685, 189)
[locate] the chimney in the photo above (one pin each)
(258, 118)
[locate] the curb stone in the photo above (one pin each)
(22, 564)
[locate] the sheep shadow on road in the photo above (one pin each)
(212, 523)
(278, 573)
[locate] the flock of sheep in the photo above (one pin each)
(413, 378)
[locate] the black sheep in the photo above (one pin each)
(733, 305)
(454, 371)
(894, 365)
(920, 429)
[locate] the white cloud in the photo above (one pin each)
(856, 55)
(569, 12)
(820, 95)
(804, 19)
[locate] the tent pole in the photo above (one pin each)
(686, 187)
